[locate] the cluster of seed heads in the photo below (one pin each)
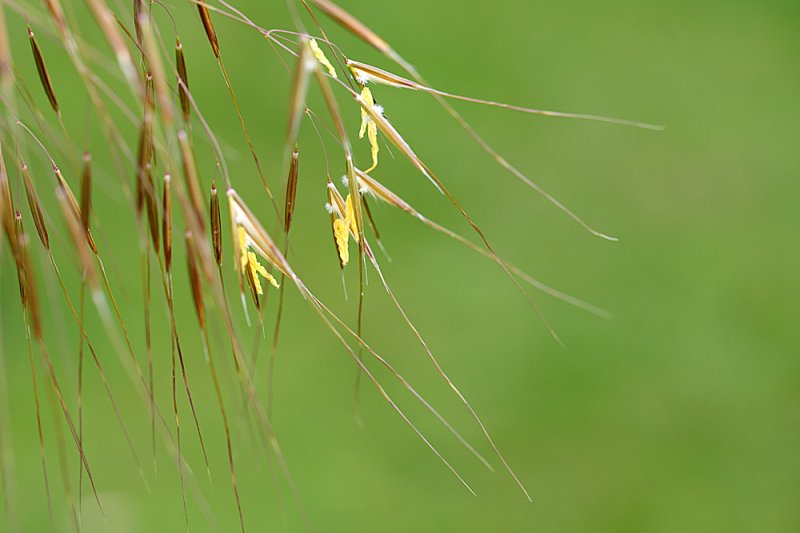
(159, 86)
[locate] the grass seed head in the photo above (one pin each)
(27, 278)
(208, 25)
(41, 69)
(251, 238)
(183, 80)
(291, 189)
(216, 225)
(35, 206)
(166, 222)
(86, 191)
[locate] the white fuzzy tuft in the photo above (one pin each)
(329, 208)
(378, 109)
(345, 181)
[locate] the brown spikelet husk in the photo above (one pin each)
(216, 225)
(27, 278)
(152, 215)
(166, 222)
(291, 189)
(72, 203)
(41, 69)
(86, 191)
(194, 279)
(352, 24)
(205, 17)
(191, 177)
(183, 80)
(18, 237)
(35, 206)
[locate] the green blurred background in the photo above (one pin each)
(680, 413)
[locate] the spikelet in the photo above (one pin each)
(205, 17)
(183, 80)
(41, 69)
(35, 206)
(216, 225)
(248, 263)
(166, 222)
(253, 241)
(343, 219)
(291, 190)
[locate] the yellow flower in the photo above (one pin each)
(249, 262)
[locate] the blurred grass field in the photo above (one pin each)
(680, 413)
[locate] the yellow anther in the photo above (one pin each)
(320, 55)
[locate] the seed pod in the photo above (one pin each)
(194, 279)
(35, 206)
(44, 77)
(216, 225)
(205, 16)
(166, 222)
(183, 80)
(291, 189)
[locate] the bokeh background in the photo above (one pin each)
(680, 413)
